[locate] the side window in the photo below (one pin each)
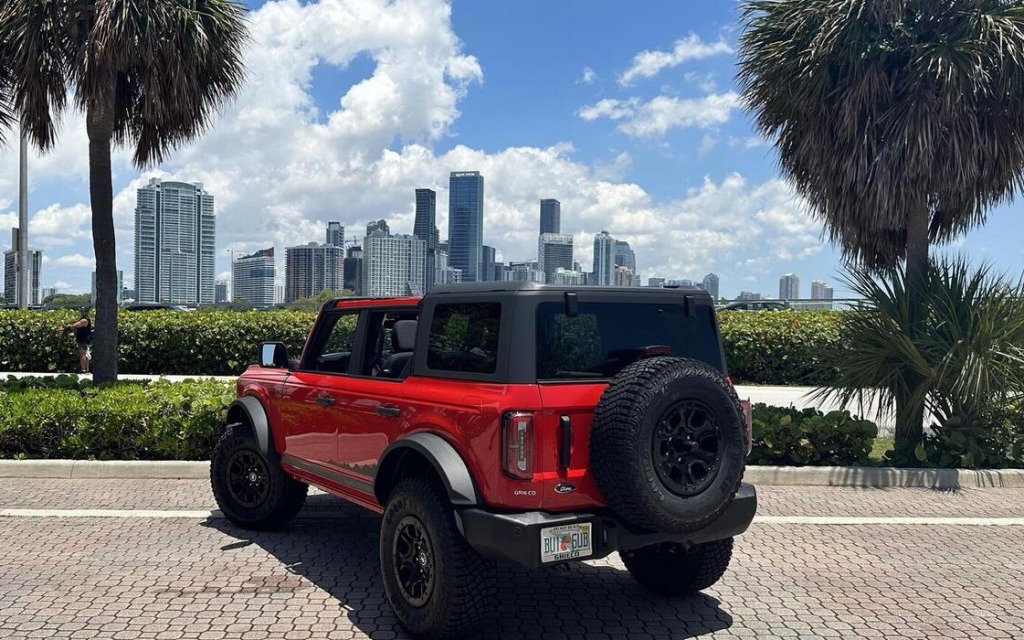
(390, 339)
(464, 337)
(334, 351)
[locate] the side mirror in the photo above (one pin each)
(274, 354)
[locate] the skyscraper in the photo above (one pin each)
(425, 228)
(312, 268)
(624, 256)
(252, 278)
(554, 252)
(487, 263)
(354, 270)
(220, 291)
(466, 223)
(335, 234)
(710, 285)
(821, 291)
(604, 260)
(789, 287)
(550, 216)
(175, 235)
(12, 291)
(393, 265)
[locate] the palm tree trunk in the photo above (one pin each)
(100, 127)
(910, 420)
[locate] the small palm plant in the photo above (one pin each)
(963, 361)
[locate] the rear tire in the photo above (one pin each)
(669, 569)
(438, 586)
(252, 490)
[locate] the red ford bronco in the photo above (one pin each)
(502, 422)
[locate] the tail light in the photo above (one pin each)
(517, 445)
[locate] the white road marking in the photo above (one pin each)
(203, 514)
(891, 520)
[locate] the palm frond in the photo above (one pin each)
(170, 65)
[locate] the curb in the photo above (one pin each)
(885, 477)
(106, 469)
(765, 476)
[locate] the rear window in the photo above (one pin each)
(464, 337)
(605, 337)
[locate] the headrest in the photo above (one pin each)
(404, 334)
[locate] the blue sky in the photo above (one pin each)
(626, 112)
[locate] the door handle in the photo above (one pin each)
(388, 410)
(325, 400)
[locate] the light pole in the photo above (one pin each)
(24, 281)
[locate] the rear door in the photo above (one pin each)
(577, 355)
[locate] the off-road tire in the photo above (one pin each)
(283, 496)
(622, 437)
(669, 569)
(463, 585)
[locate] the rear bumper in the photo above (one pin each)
(517, 536)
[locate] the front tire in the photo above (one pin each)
(438, 586)
(669, 569)
(252, 490)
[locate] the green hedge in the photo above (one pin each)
(789, 436)
(761, 348)
(781, 348)
(166, 342)
(127, 421)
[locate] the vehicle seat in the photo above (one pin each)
(403, 336)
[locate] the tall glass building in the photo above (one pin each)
(425, 228)
(335, 233)
(175, 233)
(604, 260)
(554, 252)
(550, 216)
(466, 223)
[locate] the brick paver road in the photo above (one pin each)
(68, 574)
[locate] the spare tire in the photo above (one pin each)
(667, 445)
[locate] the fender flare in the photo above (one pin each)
(250, 409)
(443, 458)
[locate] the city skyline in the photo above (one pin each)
(641, 132)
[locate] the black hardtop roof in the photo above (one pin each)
(484, 287)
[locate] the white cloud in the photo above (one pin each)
(610, 108)
(647, 64)
(75, 260)
(707, 144)
(588, 77)
(662, 113)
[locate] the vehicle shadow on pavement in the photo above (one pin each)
(340, 556)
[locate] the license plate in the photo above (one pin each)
(566, 542)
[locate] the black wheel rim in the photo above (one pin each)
(413, 558)
(685, 449)
(248, 479)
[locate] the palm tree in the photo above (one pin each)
(147, 73)
(900, 121)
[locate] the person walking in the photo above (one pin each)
(83, 338)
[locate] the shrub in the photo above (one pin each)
(152, 342)
(782, 348)
(128, 421)
(789, 436)
(995, 441)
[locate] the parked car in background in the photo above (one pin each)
(755, 305)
